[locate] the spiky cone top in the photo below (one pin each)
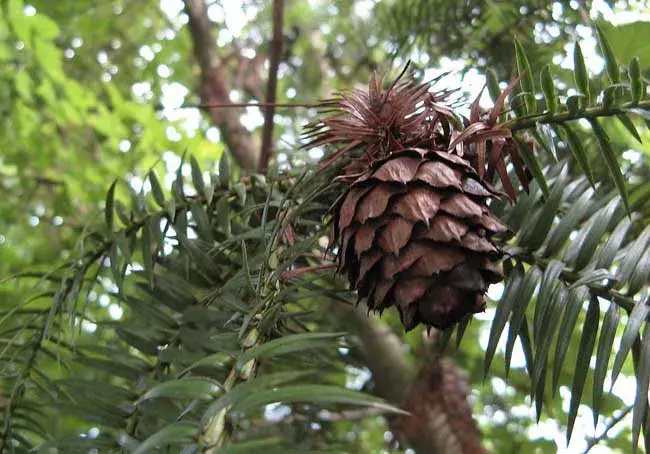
(413, 225)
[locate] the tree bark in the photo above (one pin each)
(215, 87)
(440, 418)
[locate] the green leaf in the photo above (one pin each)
(640, 274)
(492, 85)
(568, 223)
(613, 70)
(522, 299)
(503, 311)
(573, 103)
(608, 251)
(546, 291)
(224, 171)
(222, 214)
(123, 245)
(592, 276)
(147, 254)
(240, 190)
(636, 84)
(532, 163)
(241, 390)
(548, 88)
(108, 209)
(287, 344)
(533, 238)
(543, 133)
(629, 125)
(122, 213)
(575, 145)
(209, 192)
(596, 230)
(632, 257)
(642, 382)
(527, 84)
(548, 325)
(587, 341)
(580, 73)
(609, 96)
(312, 394)
(605, 344)
(175, 433)
(197, 178)
(156, 190)
(572, 310)
(526, 346)
(202, 222)
(636, 318)
(115, 266)
(185, 388)
(610, 161)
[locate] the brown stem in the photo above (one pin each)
(287, 276)
(215, 87)
(274, 63)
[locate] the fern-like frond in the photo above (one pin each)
(198, 280)
(576, 255)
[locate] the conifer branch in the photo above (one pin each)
(529, 121)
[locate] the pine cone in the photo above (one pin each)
(413, 224)
(415, 233)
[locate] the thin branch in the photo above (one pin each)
(215, 87)
(529, 121)
(569, 276)
(594, 441)
(276, 52)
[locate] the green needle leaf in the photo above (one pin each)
(108, 209)
(613, 70)
(587, 341)
(527, 83)
(610, 161)
(156, 190)
(605, 344)
(580, 73)
(637, 316)
(548, 88)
